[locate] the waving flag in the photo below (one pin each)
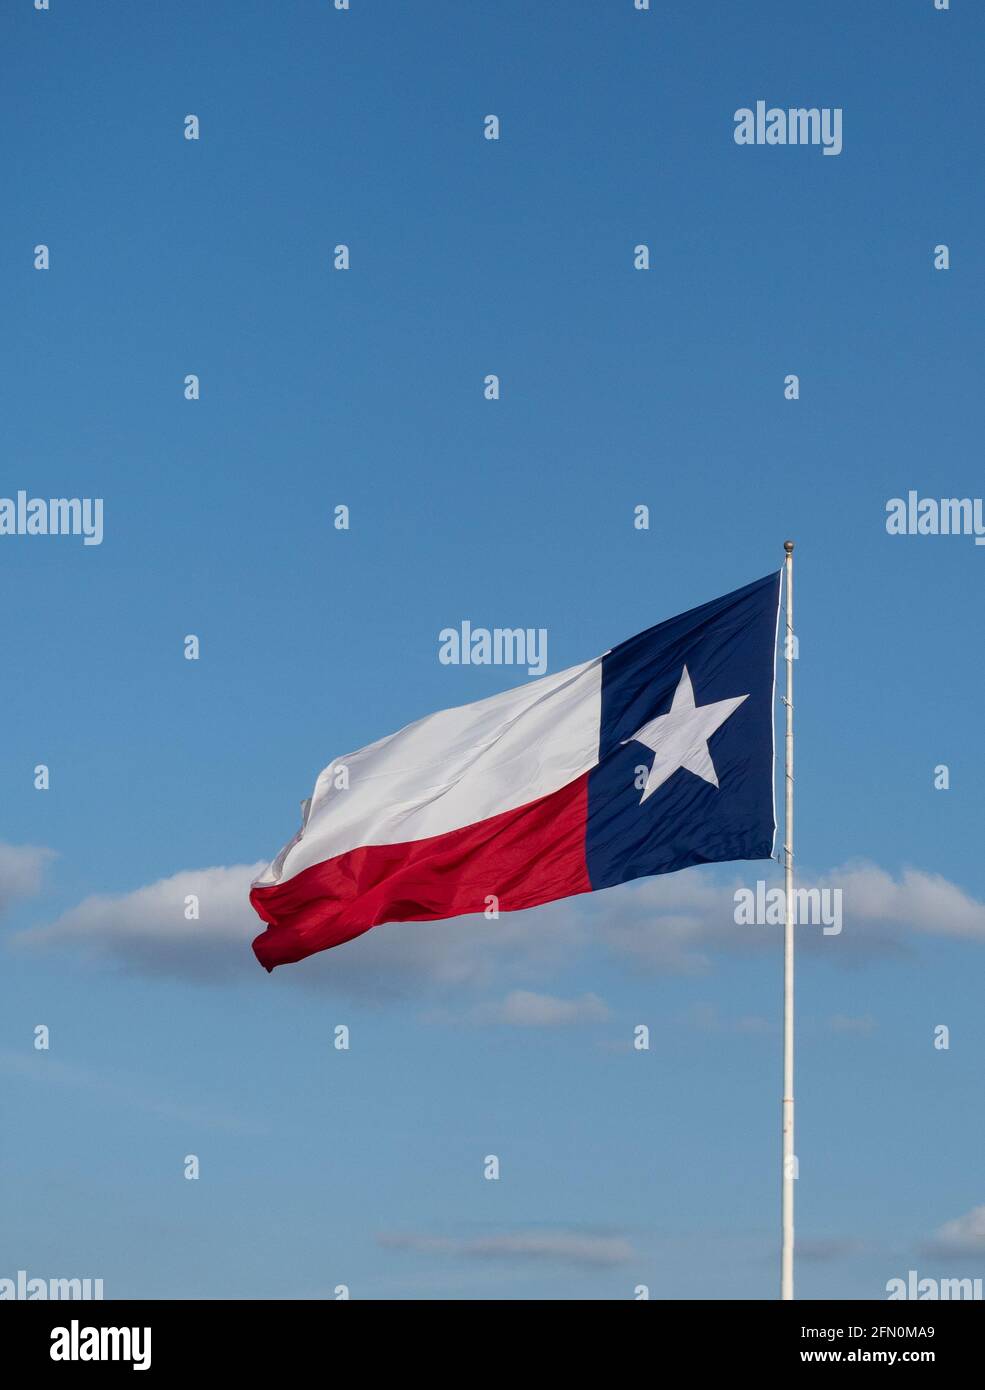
(653, 757)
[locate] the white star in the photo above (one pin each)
(680, 737)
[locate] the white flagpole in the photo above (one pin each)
(789, 1160)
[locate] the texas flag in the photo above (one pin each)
(653, 757)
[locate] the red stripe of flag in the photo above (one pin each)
(523, 857)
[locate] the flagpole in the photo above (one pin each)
(789, 1159)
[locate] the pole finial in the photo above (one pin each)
(788, 547)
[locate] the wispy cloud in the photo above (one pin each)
(965, 1235)
(21, 871)
(41, 1069)
(844, 1023)
(561, 1246)
(708, 1018)
(522, 1008)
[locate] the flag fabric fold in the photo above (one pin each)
(653, 757)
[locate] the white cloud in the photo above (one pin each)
(965, 1235)
(522, 1008)
(920, 901)
(147, 930)
(828, 1248)
(21, 870)
(681, 922)
(671, 924)
(445, 958)
(561, 1246)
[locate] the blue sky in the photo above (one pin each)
(365, 388)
